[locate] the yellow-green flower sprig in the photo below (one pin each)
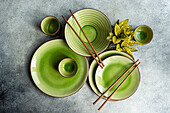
(123, 37)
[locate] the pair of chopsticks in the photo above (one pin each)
(115, 83)
(86, 38)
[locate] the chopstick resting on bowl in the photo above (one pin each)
(115, 83)
(86, 38)
(82, 42)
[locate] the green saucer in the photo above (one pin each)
(44, 69)
(94, 66)
(114, 67)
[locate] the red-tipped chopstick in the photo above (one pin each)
(82, 42)
(114, 83)
(87, 38)
(118, 86)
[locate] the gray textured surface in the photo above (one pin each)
(20, 36)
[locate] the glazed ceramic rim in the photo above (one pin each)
(54, 32)
(143, 26)
(45, 92)
(64, 75)
(134, 90)
(117, 99)
(76, 23)
(89, 79)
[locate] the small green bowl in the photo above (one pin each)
(50, 25)
(96, 26)
(143, 34)
(68, 67)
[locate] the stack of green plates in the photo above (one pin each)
(116, 63)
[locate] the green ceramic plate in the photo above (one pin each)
(45, 74)
(114, 67)
(94, 66)
(95, 25)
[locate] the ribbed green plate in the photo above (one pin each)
(95, 19)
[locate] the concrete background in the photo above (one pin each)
(20, 36)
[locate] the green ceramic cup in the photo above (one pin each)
(50, 25)
(68, 67)
(143, 34)
(96, 26)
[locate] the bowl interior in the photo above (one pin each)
(143, 34)
(67, 67)
(50, 25)
(95, 25)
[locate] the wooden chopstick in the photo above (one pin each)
(114, 83)
(118, 86)
(86, 38)
(82, 42)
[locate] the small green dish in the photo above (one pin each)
(143, 34)
(94, 66)
(114, 67)
(50, 25)
(96, 26)
(68, 67)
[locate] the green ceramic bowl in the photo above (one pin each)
(50, 25)
(95, 25)
(94, 66)
(114, 67)
(68, 67)
(143, 34)
(44, 69)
